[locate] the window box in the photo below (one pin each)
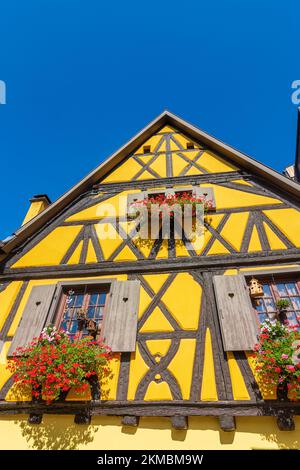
(169, 212)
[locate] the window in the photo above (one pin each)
(190, 145)
(110, 305)
(275, 290)
(147, 149)
(80, 306)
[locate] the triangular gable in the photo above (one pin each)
(168, 153)
(236, 158)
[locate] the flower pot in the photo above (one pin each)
(282, 316)
(282, 391)
(95, 387)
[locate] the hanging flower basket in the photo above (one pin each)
(52, 364)
(277, 358)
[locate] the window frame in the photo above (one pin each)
(57, 307)
(272, 277)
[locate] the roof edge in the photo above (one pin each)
(166, 117)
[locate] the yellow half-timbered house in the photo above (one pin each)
(183, 376)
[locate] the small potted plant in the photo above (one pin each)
(81, 318)
(282, 306)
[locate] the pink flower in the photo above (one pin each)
(284, 356)
(291, 368)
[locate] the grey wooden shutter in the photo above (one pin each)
(208, 193)
(237, 317)
(34, 316)
(131, 198)
(120, 323)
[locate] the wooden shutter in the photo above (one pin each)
(208, 193)
(120, 323)
(236, 314)
(34, 316)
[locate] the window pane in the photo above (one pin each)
(281, 289)
(79, 300)
(261, 306)
(267, 290)
(70, 300)
(262, 317)
(99, 313)
(93, 299)
(85, 332)
(102, 298)
(270, 305)
(266, 307)
(295, 303)
(291, 288)
(68, 313)
(272, 317)
(292, 319)
(64, 326)
(91, 312)
(74, 302)
(73, 327)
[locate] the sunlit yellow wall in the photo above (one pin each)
(183, 300)
(51, 249)
(60, 432)
(132, 168)
(36, 207)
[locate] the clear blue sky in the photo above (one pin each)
(83, 76)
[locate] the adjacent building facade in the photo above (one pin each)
(183, 377)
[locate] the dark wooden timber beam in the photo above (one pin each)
(227, 423)
(193, 179)
(161, 408)
(179, 422)
(209, 263)
(129, 420)
(285, 420)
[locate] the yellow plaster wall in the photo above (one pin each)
(215, 164)
(35, 208)
(131, 167)
(108, 433)
(156, 322)
(227, 198)
(51, 249)
(288, 221)
(158, 391)
(239, 389)
(234, 229)
(183, 299)
(7, 299)
(138, 369)
(182, 364)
